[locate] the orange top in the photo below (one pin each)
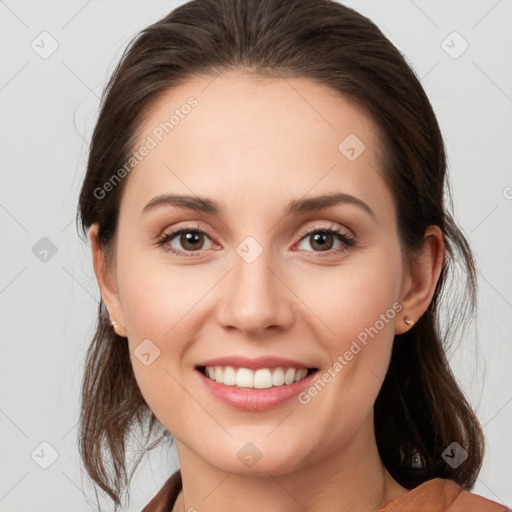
(441, 495)
(436, 495)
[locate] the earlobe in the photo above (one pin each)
(424, 274)
(106, 282)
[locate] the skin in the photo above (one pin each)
(253, 145)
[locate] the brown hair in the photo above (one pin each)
(420, 409)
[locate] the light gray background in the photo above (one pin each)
(47, 309)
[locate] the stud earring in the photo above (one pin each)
(408, 321)
(117, 329)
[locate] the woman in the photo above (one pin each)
(264, 200)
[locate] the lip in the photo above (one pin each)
(252, 399)
(255, 363)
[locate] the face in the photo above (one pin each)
(269, 273)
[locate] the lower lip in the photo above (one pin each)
(252, 399)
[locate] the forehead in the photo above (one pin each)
(278, 110)
(217, 135)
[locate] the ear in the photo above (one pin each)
(422, 277)
(105, 275)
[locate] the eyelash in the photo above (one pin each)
(348, 241)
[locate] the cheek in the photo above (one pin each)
(350, 299)
(357, 311)
(355, 314)
(159, 298)
(159, 303)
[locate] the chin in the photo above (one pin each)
(256, 459)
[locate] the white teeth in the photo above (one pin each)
(263, 379)
(289, 376)
(244, 377)
(278, 377)
(260, 379)
(229, 376)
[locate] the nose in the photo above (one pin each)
(256, 297)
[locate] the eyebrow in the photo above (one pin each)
(212, 207)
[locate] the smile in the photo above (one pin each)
(261, 378)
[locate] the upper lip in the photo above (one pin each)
(256, 362)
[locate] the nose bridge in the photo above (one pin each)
(251, 274)
(255, 297)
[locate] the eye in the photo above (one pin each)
(324, 238)
(190, 238)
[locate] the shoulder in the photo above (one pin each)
(467, 501)
(166, 496)
(442, 495)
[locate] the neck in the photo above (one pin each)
(350, 478)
